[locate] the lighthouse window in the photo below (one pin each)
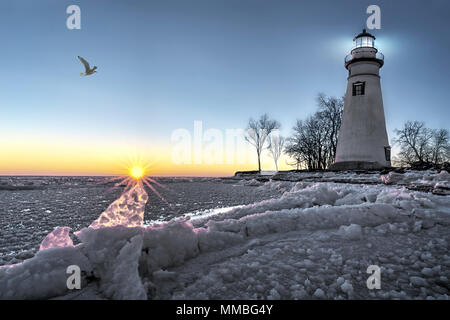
(358, 88)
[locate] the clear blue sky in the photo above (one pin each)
(163, 64)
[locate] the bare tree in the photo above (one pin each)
(306, 142)
(440, 146)
(257, 132)
(413, 139)
(276, 144)
(313, 143)
(331, 109)
(296, 146)
(421, 145)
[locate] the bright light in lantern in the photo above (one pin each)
(137, 172)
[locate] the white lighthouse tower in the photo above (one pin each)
(363, 141)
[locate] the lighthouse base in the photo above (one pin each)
(356, 165)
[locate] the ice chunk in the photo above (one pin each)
(418, 282)
(347, 288)
(442, 176)
(114, 253)
(57, 238)
(319, 294)
(427, 272)
(274, 295)
(126, 211)
(252, 182)
(43, 276)
(169, 244)
(392, 177)
(351, 232)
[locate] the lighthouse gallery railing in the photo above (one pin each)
(378, 56)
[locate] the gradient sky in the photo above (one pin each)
(163, 64)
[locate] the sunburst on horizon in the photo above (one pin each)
(137, 173)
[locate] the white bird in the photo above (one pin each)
(88, 71)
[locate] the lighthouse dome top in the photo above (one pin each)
(364, 50)
(364, 40)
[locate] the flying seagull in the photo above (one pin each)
(88, 71)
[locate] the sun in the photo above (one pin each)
(137, 172)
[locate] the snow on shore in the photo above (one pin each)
(314, 242)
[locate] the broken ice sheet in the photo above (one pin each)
(57, 238)
(127, 211)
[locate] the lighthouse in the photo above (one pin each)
(363, 142)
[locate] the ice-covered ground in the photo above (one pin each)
(314, 241)
(414, 180)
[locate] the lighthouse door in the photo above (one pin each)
(387, 153)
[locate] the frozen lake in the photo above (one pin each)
(301, 235)
(31, 207)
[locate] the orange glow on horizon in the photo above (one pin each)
(49, 156)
